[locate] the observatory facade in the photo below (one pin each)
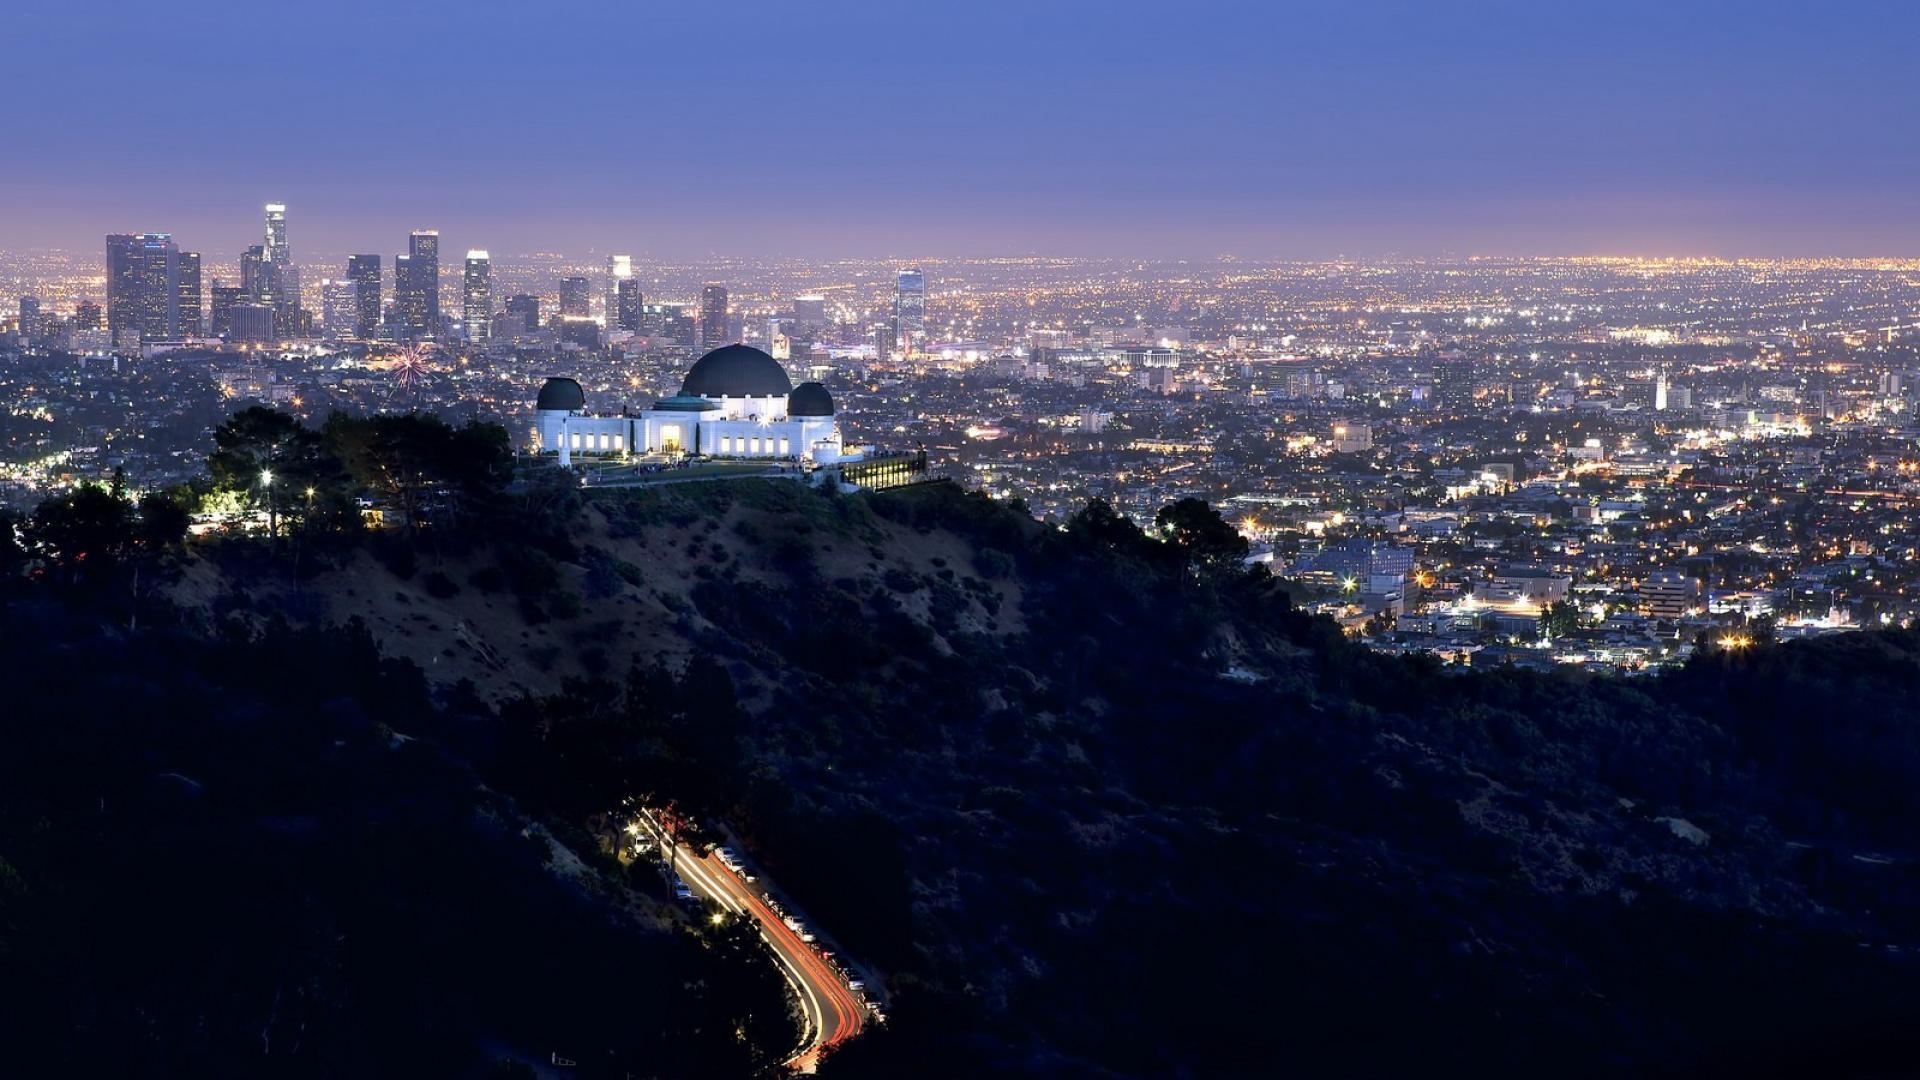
(735, 402)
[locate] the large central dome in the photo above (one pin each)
(737, 371)
(561, 394)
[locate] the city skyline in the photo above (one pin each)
(1256, 130)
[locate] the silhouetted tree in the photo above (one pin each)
(162, 521)
(87, 524)
(1209, 542)
(267, 456)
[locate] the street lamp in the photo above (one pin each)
(273, 517)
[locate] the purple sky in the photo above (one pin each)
(916, 127)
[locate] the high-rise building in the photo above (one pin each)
(267, 271)
(224, 298)
(409, 297)
(575, 297)
(1669, 595)
(364, 272)
(679, 327)
(86, 315)
(255, 275)
(527, 308)
(252, 321)
(29, 313)
(292, 320)
(910, 310)
(1453, 384)
(580, 330)
(275, 249)
(416, 284)
(340, 307)
(619, 269)
(476, 309)
(628, 304)
(714, 328)
(143, 288)
(810, 312)
(191, 318)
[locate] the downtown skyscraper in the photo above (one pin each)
(628, 304)
(275, 249)
(364, 272)
(416, 285)
(619, 270)
(191, 313)
(910, 310)
(277, 280)
(575, 298)
(476, 296)
(146, 283)
(340, 307)
(714, 319)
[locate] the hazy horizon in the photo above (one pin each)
(1126, 130)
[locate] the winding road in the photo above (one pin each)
(830, 1012)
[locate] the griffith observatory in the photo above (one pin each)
(736, 402)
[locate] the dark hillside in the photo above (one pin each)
(1098, 802)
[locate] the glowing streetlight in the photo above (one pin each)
(273, 514)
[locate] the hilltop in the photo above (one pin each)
(578, 586)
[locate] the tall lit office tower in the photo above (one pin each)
(416, 284)
(627, 303)
(275, 249)
(29, 315)
(476, 308)
(340, 306)
(283, 279)
(255, 277)
(192, 321)
(286, 305)
(143, 288)
(714, 331)
(1660, 391)
(910, 310)
(364, 272)
(619, 269)
(575, 298)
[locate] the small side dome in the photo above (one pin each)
(810, 399)
(560, 394)
(736, 371)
